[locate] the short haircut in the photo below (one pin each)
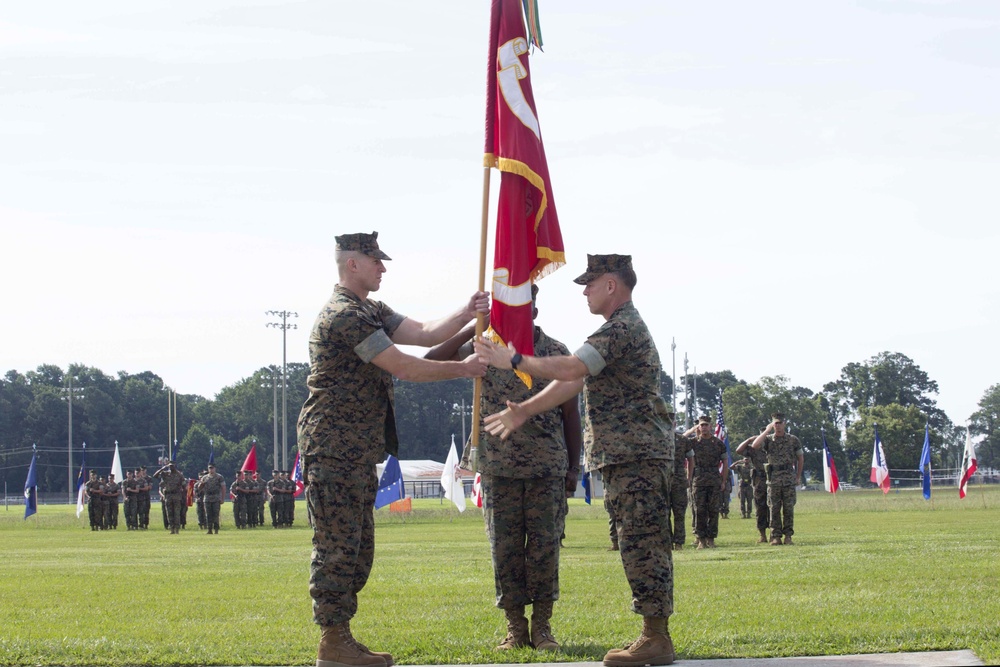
(627, 276)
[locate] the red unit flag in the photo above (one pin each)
(528, 241)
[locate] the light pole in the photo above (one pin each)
(274, 415)
(284, 326)
(171, 421)
(464, 410)
(69, 390)
(687, 403)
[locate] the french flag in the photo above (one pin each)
(880, 469)
(830, 480)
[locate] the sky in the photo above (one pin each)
(800, 185)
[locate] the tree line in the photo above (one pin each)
(889, 389)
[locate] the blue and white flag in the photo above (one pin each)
(390, 485)
(925, 462)
(587, 492)
(31, 487)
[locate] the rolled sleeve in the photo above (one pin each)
(372, 346)
(591, 358)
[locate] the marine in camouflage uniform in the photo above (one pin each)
(273, 491)
(784, 473)
(347, 426)
(708, 483)
(679, 485)
(199, 500)
(526, 479)
(95, 512)
(112, 492)
(757, 459)
(143, 500)
(259, 499)
(629, 437)
(173, 487)
(131, 490)
(234, 493)
(743, 469)
(213, 489)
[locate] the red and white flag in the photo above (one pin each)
(477, 491)
(968, 464)
(880, 469)
(528, 241)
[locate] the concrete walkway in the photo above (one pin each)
(927, 659)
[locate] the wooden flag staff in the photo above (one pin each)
(477, 390)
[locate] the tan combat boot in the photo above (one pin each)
(517, 630)
(541, 631)
(788, 539)
(613, 547)
(337, 648)
(699, 543)
(653, 647)
(775, 540)
(382, 654)
(711, 543)
(763, 537)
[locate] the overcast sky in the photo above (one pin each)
(800, 184)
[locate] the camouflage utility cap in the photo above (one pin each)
(598, 265)
(366, 244)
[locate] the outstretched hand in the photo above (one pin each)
(507, 421)
(494, 354)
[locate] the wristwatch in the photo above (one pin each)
(515, 360)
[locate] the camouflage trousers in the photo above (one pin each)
(707, 504)
(746, 499)
(639, 494)
(200, 507)
(524, 521)
(781, 501)
(613, 523)
(273, 506)
(341, 498)
(678, 507)
(142, 509)
(760, 501)
(131, 512)
(111, 513)
(212, 514)
(174, 506)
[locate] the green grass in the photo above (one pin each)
(869, 574)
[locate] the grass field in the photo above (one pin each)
(869, 574)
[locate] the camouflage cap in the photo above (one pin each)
(598, 265)
(704, 419)
(366, 244)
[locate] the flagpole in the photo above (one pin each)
(477, 386)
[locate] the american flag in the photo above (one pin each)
(720, 429)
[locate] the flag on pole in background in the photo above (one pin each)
(968, 464)
(116, 465)
(31, 486)
(81, 480)
(587, 491)
(880, 469)
(451, 479)
(925, 462)
(723, 435)
(830, 480)
(250, 463)
(297, 476)
(528, 241)
(211, 454)
(477, 491)
(390, 484)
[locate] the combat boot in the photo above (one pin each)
(337, 648)
(653, 647)
(776, 541)
(788, 539)
(763, 537)
(678, 546)
(711, 543)
(541, 631)
(517, 630)
(613, 547)
(699, 543)
(382, 654)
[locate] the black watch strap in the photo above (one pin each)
(516, 359)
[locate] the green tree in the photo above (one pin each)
(986, 422)
(885, 379)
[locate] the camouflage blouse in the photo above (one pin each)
(627, 419)
(348, 416)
